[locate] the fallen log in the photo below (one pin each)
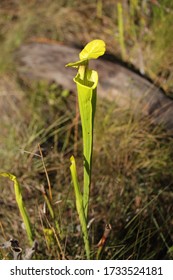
(38, 61)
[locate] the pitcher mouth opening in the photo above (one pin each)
(92, 79)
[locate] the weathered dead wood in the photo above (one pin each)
(116, 83)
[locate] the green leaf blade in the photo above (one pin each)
(79, 206)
